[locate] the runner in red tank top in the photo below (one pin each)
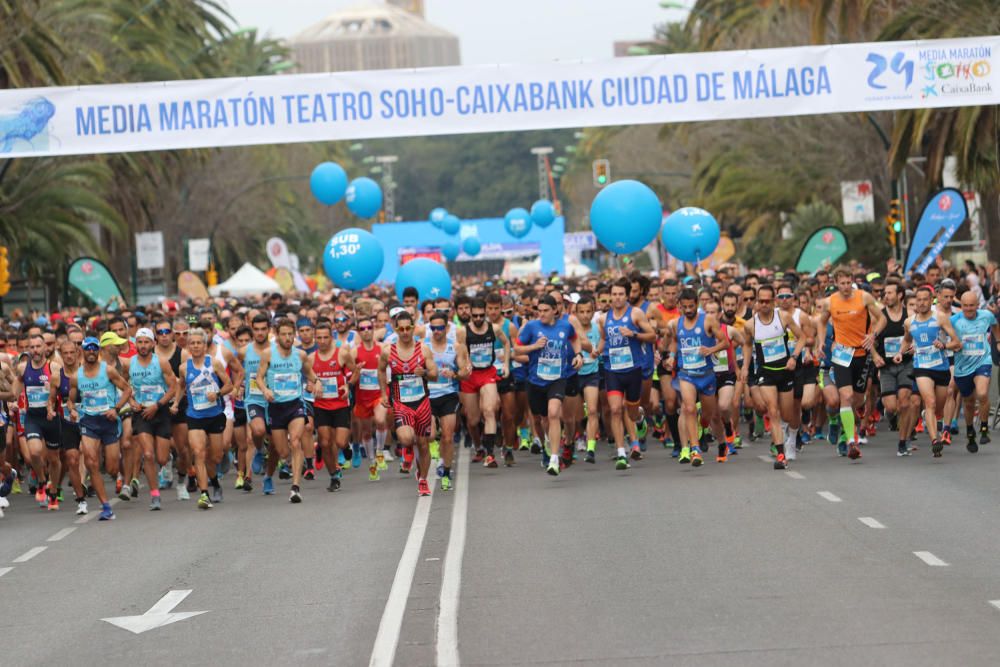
(410, 367)
(372, 417)
(332, 365)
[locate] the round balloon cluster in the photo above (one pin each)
(451, 225)
(329, 185)
(691, 234)
(353, 258)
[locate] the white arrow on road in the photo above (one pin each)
(157, 616)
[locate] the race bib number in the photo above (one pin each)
(199, 396)
(549, 368)
(411, 389)
(287, 385)
(928, 357)
(255, 389)
(893, 345)
(368, 380)
(620, 358)
(38, 397)
(149, 394)
(691, 360)
(96, 402)
(722, 362)
(974, 345)
(479, 354)
(331, 387)
(842, 355)
(774, 349)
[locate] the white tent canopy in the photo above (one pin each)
(247, 281)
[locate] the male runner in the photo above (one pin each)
(973, 365)
(452, 361)
(36, 380)
(253, 397)
(895, 379)
(478, 392)
(333, 366)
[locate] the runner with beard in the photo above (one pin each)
(895, 379)
(662, 317)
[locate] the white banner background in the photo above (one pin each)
(198, 252)
(149, 250)
(455, 100)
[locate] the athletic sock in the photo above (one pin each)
(621, 452)
(447, 472)
(214, 481)
(675, 431)
(847, 422)
(309, 463)
(489, 442)
(591, 445)
(790, 437)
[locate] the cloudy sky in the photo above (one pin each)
(492, 31)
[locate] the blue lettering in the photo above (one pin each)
(85, 121)
(742, 82)
(168, 117)
(460, 104)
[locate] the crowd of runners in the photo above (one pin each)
(175, 398)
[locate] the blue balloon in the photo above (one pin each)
(517, 222)
(364, 197)
(450, 250)
(437, 216)
(543, 212)
(431, 279)
(626, 216)
(471, 246)
(328, 182)
(691, 234)
(451, 224)
(353, 258)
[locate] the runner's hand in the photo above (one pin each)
(111, 415)
(268, 395)
(790, 364)
(898, 359)
(149, 411)
(879, 361)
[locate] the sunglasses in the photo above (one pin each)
(164, 332)
(438, 327)
(478, 316)
(91, 348)
(763, 302)
(404, 329)
(786, 296)
(366, 327)
(508, 312)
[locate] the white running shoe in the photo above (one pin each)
(182, 493)
(81, 507)
(387, 455)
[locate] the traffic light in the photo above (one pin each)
(894, 221)
(4, 272)
(602, 173)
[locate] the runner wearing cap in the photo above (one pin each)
(101, 392)
(127, 485)
(154, 386)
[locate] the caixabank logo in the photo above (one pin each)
(928, 73)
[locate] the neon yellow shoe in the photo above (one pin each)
(380, 461)
(446, 483)
(373, 475)
(435, 449)
(685, 456)
(239, 481)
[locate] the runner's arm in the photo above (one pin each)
(124, 388)
(646, 333)
(220, 371)
(432, 369)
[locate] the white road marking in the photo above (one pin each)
(870, 522)
(61, 534)
(29, 554)
(95, 512)
(428, 560)
(930, 558)
(387, 639)
(5, 570)
(795, 475)
(765, 459)
(157, 616)
(995, 603)
(826, 495)
(451, 580)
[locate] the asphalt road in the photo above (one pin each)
(886, 561)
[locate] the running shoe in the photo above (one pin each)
(182, 493)
(118, 485)
(310, 474)
(842, 449)
(508, 456)
(239, 482)
(972, 446)
(134, 487)
(268, 486)
(204, 502)
(524, 445)
(853, 451)
(946, 437)
(423, 489)
(774, 449)
(404, 468)
(373, 475)
(15, 487)
(936, 448)
(53, 504)
(4, 504)
(984, 435)
(439, 470)
(536, 446)
(41, 497)
(355, 455)
(676, 451)
(953, 427)
(779, 462)
(294, 497)
(257, 465)
(341, 459)
(723, 454)
(435, 448)
(685, 456)
(334, 484)
(696, 459)
(490, 462)
(380, 461)
(192, 483)
(284, 472)
(636, 453)
(737, 442)
(479, 456)
(81, 507)
(590, 456)
(621, 463)
(902, 450)
(166, 477)
(124, 492)
(106, 513)
(386, 455)
(154, 504)
(553, 467)
(217, 495)
(641, 429)
(446, 483)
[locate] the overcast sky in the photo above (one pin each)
(492, 31)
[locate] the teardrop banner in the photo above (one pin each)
(824, 247)
(190, 285)
(943, 214)
(94, 280)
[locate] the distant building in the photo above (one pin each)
(375, 35)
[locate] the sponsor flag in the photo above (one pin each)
(94, 280)
(943, 214)
(823, 248)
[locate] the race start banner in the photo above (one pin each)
(458, 100)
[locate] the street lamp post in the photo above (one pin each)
(542, 153)
(388, 185)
